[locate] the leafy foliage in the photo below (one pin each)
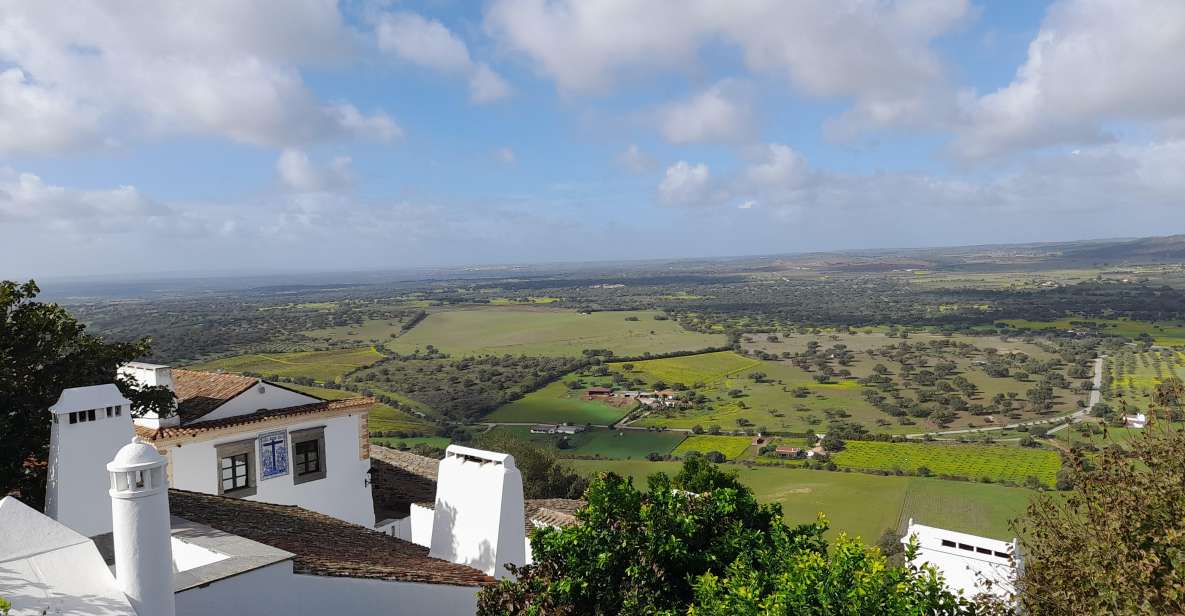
(1117, 545)
(700, 543)
(544, 476)
(44, 350)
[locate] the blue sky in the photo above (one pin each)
(370, 135)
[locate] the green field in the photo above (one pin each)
(549, 332)
(772, 405)
(997, 462)
(371, 331)
(321, 366)
(1162, 333)
(555, 403)
(600, 442)
(394, 442)
(382, 417)
(1135, 375)
(859, 504)
(731, 446)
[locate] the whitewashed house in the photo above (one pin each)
(248, 438)
(969, 563)
(119, 541)
(1139, 420)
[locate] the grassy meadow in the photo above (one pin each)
(996, 462)
(859, 504)
(549, 332)
(321, 366)
(555, 403)
(731, 446)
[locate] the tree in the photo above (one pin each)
(700, 543)
(1114, 546)
(44, 350)
(544, 476)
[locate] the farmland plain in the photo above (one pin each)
(859, 504)
(321, 366)
(602, 443)
(556, 403)
(997, 462)
(1163, 333)
(381, 418)
(549, 332)
(731, 446)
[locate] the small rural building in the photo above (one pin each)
(568, 429)
(629, 393)
(598, 392)
(1139, 420)
(543, 429)
(967, 561)
(789, 452)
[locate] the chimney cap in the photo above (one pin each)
(136, 455)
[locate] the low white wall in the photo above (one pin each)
(341, 494)
(276, 590)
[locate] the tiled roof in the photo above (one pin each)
(157, 434)
(323, 545)
(399, 479)
(558, 512)
(199, 393)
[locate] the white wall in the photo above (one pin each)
(276, 590)
(479, 511)
(341, 494)
(78, 481)
(252, 400)
(416, 527)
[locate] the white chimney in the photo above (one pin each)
(141, 531)
(89, 425)
(479, 511)
(151, 375)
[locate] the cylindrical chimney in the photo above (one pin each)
(140, 528)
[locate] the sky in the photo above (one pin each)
(312, 135)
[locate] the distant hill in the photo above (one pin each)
(1144, 250)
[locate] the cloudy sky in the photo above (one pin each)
(236, 135)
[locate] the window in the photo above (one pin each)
(947, 543)
(118, 410)
(110, 411)
(236, 468)
(964, 546)
(983, 551)
(308, 455)
(234, 473)
(82, 416)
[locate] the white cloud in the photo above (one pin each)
(428, 43)
(505, 156)
(231, 69)
(298, 173)
(684, 184)
(25, 198)
(634, 160)
(890, 74)
(1110, 182)
(720, 114)
(747, 205)
(1092, 62)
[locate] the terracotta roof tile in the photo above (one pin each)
(239, 420)
(199, 393)
(323, 545)
(399, 479)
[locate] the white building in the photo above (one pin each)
(143, 549)
(1139, 420)
(248, 438)
(418, 481)
(969, 563)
